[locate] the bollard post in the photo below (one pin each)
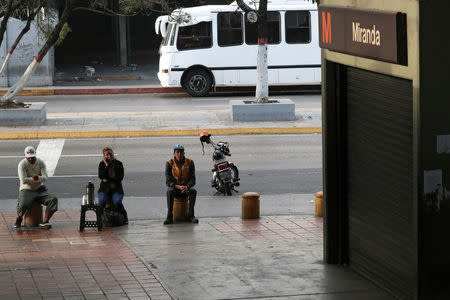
(250, 205)
(34, 215)
(319, 204)
(180, 209)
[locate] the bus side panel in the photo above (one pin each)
(248, 77)
(297, 76)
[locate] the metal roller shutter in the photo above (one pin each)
(379, 187)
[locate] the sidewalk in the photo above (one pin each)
(219, 258)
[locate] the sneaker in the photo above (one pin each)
(193, 220)
(18, 223)
(168, 221)
(45, 225)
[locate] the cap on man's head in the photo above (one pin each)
(178, 147)
(30, 152)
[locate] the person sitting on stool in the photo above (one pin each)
(180, 179)
(32, 174)
(111, 173)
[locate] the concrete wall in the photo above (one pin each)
(24, 54)
(434, 136)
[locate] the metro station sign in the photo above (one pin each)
(372, 34)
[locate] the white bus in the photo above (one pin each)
(216, 45)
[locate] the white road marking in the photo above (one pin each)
(64, 155)
(54, 176)
(50, 151)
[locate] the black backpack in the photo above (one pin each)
(112, 217)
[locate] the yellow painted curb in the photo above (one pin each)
(33, 92)
(135, 133)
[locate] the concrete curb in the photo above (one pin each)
(96, 78)
(137, 133)
(156, 89)
(32, 92)
(97, 91)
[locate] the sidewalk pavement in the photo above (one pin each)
(274, 257)
(158, 123)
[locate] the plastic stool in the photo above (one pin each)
(98, 213)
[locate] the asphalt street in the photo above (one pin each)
(153, 102)
(269, 164)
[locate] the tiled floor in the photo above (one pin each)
(271, 228)
(63, 263)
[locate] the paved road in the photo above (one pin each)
(272, 165)
(153, 102)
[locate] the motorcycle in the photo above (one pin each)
(225, 174)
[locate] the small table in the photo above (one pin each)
(98, 213)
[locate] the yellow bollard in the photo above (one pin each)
(319, 204)
(250, 205)
(180, 209)
(33, 216)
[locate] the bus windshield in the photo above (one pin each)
(196, 36)
(169, 33)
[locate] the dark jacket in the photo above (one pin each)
(114, 183)
(170, 180)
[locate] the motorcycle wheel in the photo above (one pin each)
(234, 173)
(215, 184)
(227, 188)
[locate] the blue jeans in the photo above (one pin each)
(115, 198)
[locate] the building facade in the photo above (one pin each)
(386, 142)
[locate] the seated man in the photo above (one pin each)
(180, 178)
(32, 173)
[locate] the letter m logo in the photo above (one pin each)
(326, 27)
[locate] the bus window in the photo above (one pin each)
(196, 36)
(273, 27)
(298, 27)
(229, 28)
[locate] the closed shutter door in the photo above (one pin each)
(380, 179)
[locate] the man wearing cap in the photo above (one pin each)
(180, 179)
(32, 174)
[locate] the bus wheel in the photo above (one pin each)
(197, 83)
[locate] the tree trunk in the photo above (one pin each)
(16, 42)
(16, 88)
(262, 78)
(5, 19)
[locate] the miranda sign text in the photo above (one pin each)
(367, 33)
